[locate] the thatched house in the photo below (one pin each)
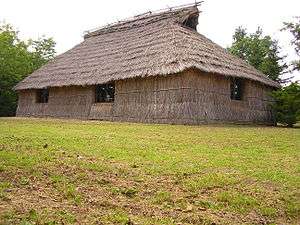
(152, 68)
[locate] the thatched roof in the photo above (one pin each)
(147, 45)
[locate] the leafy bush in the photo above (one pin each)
(287, 104)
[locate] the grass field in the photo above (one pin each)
(86, 172)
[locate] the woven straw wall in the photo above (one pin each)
(191, 97)
(70, 102)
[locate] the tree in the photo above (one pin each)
(294, 29)
(17, 60)
(287, 104)
(260, 51)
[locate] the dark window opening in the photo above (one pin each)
(42, 96)
(191, 22)
(236, 89)
(105, 93)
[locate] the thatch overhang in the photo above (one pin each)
(147, 45)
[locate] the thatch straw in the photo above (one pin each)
(150, 45)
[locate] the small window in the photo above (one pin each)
(42, 95)
(105, 92)
(236, 89)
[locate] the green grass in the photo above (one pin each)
(162, 197)
(87, 172)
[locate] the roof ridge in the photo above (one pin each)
(162, 14)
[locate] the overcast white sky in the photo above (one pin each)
(66, 20)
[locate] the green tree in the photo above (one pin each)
(294, 29)
(18, 59)
(260, 51)
(287, 104)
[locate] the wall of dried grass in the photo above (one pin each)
(191, 97)
(65, 102)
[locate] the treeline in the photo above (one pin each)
(18, 59)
